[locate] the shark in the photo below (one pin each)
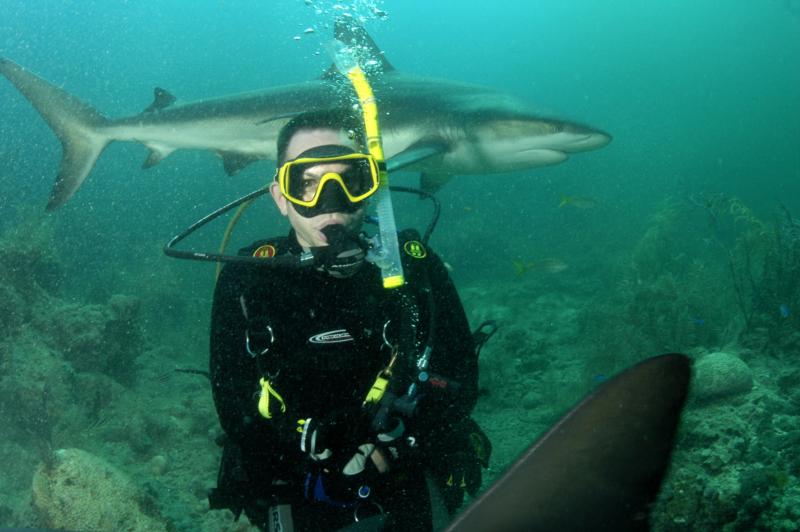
(439, 128)
(601, 466)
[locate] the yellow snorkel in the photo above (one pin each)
(386, 255)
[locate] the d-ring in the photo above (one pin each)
(362, 506)
(264, 351)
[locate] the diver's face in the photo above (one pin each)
(309, 230)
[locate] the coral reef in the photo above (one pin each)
(674, 298)
(734, 466)
(80, 491)
(98, 376)
(100, 338)
(67, 370)
(28, 273)
(763, 260)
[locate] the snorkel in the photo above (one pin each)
(385, 250)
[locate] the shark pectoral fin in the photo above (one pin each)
(78, 126)
(417, 152)
(600, 466)
(162, 99)
(156, 155)
(233, 162)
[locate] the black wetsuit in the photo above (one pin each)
(324, 345)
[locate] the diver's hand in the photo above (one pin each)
(315, 437)
(332, 483)
(343, 256)
(394, 445)
(460, 472)
(459, 462)
(336, 435)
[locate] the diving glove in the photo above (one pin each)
(343, 256)
(461, 474)
(459, 469)
(344, 486)
(313, 439)
(339, 433)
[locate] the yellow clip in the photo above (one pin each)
(394, 281)
(263, 403)
(375, 393)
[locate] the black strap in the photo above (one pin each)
(483, 333)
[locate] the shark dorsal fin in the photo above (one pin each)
(351, 33)
(162, 99)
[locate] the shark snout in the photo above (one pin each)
(583, 138)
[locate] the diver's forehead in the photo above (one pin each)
(306, 139)
(317, 171)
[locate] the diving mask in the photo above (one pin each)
(308, 181)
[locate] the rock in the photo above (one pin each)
(124, 307)
(532, 400)
(719, 375)
(158, 465)
(80, 491)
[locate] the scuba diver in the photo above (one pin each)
(338, 396)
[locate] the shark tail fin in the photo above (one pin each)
(77, 125)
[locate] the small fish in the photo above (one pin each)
(308, 31)
(698, 321)
(784, 310)
(579, 202)
(549, 265)
(600, 377)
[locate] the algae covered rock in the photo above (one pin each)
(98, 338)
(719, 375)
(80, 491)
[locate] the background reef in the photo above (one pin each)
(682, 235)
(90, 390)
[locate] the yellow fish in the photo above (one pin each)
(579, 202)
(549, 265)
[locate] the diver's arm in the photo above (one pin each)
(453, 358)
(234, 375)
(454, 350)
(453, 446)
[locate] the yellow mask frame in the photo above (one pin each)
(285, 172)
